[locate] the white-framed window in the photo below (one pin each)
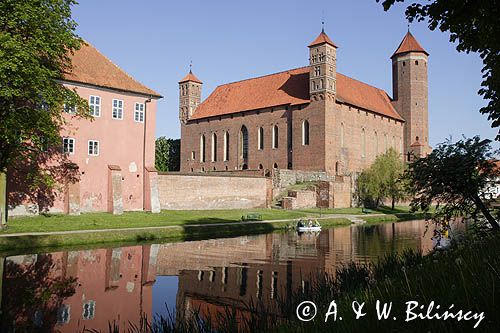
(69, 109)
(260, 138)
(95, 105)
(93, 148)
(226, 146)
(117, 109)
(202, 148)
(305, 133)
(69, 146)
(139, 112)
(63, 314)
(275, 136)
(214, 147)
(88, 310)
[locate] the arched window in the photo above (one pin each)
(202, 148)
(305, 133)
(275, 165)
(214, 147)
(376, 144)
(226, 146)
(243, 146)
(275, 136)
(363, 143)
(261, 167)
(342, 135)
(260, 138)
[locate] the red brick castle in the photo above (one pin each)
(310, 118)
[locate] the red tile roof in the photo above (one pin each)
(289, 87)
(409, 44)
(92, 67)
(321, 39)
(190, 77)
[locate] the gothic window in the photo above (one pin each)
(214, 147)
(342, 135)
(275, 136)
(202, 148)
(305, 133)
(260, 138)
(363, 143)
(416, 62)
(275, 165)
(261, 167)
(317, 71)
(226, 146)
(244, 143)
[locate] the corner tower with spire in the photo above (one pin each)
(322, 67)
(410, 95)
(189, 95)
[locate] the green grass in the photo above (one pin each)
(394, 217)
(187, 232)
(92, 221)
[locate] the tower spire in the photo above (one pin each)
(323, 21)
(190, 66)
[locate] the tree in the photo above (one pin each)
(382, 180)
(36, 41)
(455, 177)
(168, 154)
(475, 25)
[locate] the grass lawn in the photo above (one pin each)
(92, 221)
(186, 232)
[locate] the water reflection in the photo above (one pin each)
(70, 291)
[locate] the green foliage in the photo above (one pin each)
(36, 39)
(168, 154)
(382, 180)
(475, 26)
(456, 177)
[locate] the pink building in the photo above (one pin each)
(115, 152)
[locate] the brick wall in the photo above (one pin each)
(196, 191)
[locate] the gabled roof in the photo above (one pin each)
(409, 44)
(89, 66)
(322, 39)
(290, 88)
(190, 77)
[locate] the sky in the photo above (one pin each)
(155, 40)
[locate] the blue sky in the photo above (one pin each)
(154, 41)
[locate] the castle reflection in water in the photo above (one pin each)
(73, 290)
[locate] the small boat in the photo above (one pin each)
(308, 225)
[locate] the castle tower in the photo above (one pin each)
(189, 96)
(410, 86)
(323, 68)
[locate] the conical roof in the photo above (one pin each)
(409, 44)
(322, 39)
(190, 77)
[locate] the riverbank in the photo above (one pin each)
(59, 240)
(95, 221)
(95, 229)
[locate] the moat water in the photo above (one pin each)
(70, 291)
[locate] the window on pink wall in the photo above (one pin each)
(117, 109)
(139, 112)
(93, 148)
(68, 146)
(95, 106)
